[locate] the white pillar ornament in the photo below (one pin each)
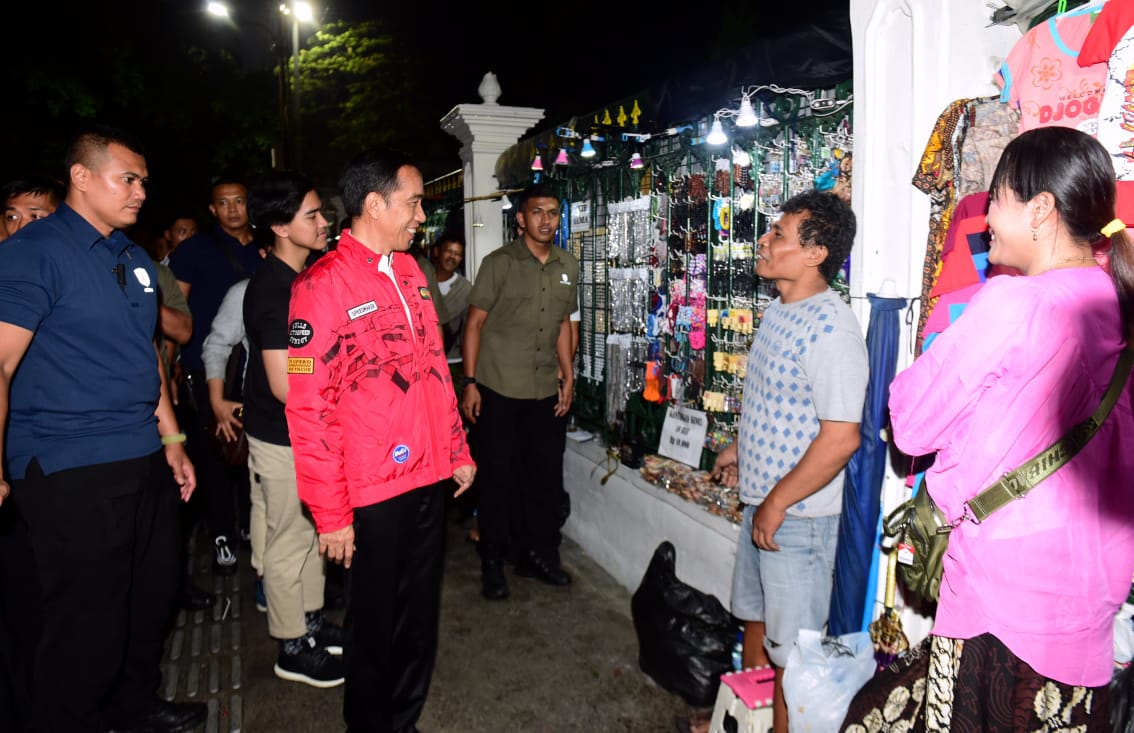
(489, 89)
(486, 130)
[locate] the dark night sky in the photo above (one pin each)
(545, 55)
(571, 57)
(564, 58)
(568, 59)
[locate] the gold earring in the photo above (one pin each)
(1034, 234)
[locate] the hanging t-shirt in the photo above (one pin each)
(1116, 111)
(1111, 22)
(1044, 80)
(992, 126)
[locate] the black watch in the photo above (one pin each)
(466, 381)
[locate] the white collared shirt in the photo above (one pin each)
(385, 266)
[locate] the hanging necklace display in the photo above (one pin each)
(668, 289)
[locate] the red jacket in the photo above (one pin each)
(371, 408)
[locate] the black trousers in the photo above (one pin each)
(19, 616)
(393, 605)
(221, 486)
(106, 543)
(518, 448)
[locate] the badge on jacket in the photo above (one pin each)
(299, 333)
(360, 310)
(300, 365)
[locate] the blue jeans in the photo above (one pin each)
(790, 589)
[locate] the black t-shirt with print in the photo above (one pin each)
(265, 322)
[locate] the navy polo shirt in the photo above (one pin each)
(201, 261)
(86, 390)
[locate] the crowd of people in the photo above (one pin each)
(345, 398)
(377, 382)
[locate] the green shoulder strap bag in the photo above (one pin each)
(921, 531)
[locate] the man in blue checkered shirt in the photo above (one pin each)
(803, 398)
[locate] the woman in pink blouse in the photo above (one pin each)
(1023, 636)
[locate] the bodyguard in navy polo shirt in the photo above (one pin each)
(93, 448)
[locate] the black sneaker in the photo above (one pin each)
(330, 637)
(225, 561)
(327, 634)
(311, 665)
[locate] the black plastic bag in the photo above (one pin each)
(685, 636)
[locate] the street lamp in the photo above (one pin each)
(288, 91)
(299, 12)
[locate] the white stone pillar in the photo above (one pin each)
(486, 130)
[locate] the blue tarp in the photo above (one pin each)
(862, 493)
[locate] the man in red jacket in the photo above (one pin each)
(374, 426)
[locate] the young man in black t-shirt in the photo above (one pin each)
(287, 204)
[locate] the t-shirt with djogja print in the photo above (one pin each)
(1043, 79)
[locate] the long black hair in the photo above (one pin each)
(1077, 171)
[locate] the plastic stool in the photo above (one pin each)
(746, 696)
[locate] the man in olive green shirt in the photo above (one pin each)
(517, 391)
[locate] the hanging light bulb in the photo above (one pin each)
(588, 150)
(561, 159)
(747, 115)
(636, 161)
(716, 133)
(505, 203)
(537, 162)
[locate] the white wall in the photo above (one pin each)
(620, 524)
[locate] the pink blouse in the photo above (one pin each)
(1029, 357)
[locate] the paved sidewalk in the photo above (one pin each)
(547, 659)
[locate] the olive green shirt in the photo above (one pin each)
(526, 302)
(171, 296)
(430, 272)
